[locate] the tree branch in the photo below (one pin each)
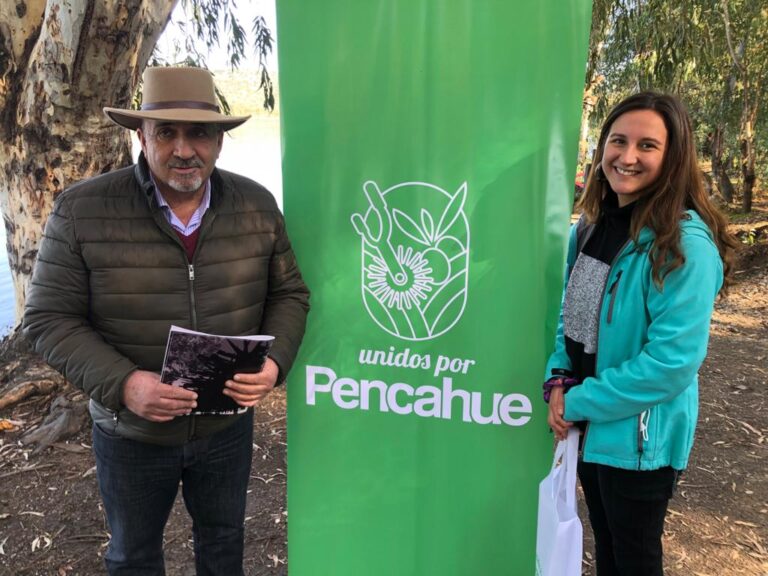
(728, 39)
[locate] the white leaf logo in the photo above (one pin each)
(414, 273)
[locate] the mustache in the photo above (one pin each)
(193, 163)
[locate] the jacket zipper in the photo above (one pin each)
(612, 292)
(600, 308)
(192, 308)
(165, 225)
(193, 318)
(204, 225)
(584, 439)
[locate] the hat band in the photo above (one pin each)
(180, 104)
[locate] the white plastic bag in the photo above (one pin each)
(559, 538)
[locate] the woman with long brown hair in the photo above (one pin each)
(645, 263)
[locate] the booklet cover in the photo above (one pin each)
(204, 362)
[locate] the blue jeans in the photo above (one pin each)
(626, 511)
(139, 482)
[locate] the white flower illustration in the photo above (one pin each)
(415, 251)
(415, 287)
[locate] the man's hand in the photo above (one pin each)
(556, 411)
(250, 389)
(146, 396)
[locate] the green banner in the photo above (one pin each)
(429, 152)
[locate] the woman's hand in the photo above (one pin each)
(556, 411)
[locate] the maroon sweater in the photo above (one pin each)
(190, 242)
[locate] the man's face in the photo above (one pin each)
(181, 155)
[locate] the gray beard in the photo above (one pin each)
(185, 184)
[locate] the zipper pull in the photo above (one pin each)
(645, 416)
(191, 272)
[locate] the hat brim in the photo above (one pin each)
(132, 119)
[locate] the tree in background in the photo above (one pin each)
(746, 34)
(61, 61)
(711, 53)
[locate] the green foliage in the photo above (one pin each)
(709, 52)
(206, 23)
(263, 42)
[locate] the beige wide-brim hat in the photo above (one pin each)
(182, 94)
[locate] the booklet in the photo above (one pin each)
(204, 362)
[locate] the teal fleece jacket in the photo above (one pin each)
(642, 404)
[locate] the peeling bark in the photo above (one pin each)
(26, 389)
(61, 61)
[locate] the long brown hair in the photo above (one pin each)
(679, 187)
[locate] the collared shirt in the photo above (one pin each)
(197, 217)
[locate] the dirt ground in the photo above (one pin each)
(51, 518)
(51, 521)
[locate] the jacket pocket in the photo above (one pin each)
(612, 295)
(108, 430)
(645, 436)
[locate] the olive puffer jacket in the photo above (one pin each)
(112, 276)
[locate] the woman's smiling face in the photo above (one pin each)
(634, 153)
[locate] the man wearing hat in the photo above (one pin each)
(170, 240)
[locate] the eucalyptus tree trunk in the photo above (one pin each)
(600, 27)
(719, 167)
(747, 146)
(587, 108)
(61, 61)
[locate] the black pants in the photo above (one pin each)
(626, 510)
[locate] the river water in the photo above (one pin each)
(252, 150)
(6, 288)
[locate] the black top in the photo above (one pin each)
(587, 284)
